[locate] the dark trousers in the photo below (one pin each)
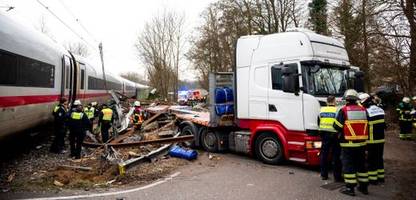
(105, 126)
(330, 143)
(59, 140)
(91, 125)
(353, 166)
(75, 141)
(375, 162)
(405, 129)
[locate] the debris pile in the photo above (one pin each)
(130, 156)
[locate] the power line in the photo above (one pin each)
(77, 20)
(66, 25)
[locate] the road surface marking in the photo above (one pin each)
(112, 193)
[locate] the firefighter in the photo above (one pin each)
(329, 141)
(137, 115)
(105, 120)
(404, 110)
(351, 124)
(90, 112)
(375, 142)
(59, 114)
(78, 124)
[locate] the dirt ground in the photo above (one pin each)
(38, 170)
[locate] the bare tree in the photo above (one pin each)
(160, 49)
(78, 48)
(135, 77)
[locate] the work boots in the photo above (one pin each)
(348, 191)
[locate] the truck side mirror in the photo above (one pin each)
(290, 79)
(359, 81)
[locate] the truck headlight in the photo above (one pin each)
(313, 144)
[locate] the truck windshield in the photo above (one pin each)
(324, 79)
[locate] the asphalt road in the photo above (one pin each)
(230, 176)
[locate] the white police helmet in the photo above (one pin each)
(406, 99)
(363, 97)
(77, 103)
(137, 103)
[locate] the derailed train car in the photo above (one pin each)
(36, 72)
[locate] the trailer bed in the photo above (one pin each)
(186, 113)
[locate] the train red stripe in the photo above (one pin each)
(26, 100)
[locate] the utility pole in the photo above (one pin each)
(100, 46)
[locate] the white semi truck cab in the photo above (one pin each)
(280, 82)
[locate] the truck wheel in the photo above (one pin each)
(209, 141)
(189, 130)
(269, 149)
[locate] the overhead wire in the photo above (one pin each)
(66, 25)
(77, 20)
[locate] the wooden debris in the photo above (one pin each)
(76, 167)
(57, 183)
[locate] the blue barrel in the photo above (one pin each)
(179, 152)
(223, 95)
(222, 109)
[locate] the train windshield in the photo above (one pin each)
(324, 79)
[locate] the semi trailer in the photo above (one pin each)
(279, 83)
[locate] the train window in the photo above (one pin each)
(26, 72)
(8, 68)
(82, 79)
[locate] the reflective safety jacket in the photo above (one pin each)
(404, 110)
(106, 115)
(352, 123)
(89, 112)
(327, 118)
(59, 113)
(376, 124)
(78, 122)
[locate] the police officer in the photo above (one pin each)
(404, 110)
(375, 142)
(329, 140)
(105, 119)
(90, 112)
(137, 115)
(78, 125)
(59, 114)
(351, 123)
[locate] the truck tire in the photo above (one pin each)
(209, 141)
(269, 149)
(189, 129)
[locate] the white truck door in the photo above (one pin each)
(258, 87)
(284, 107)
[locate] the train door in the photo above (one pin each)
(66, 81)
(83, 75)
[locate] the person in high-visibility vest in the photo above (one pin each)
(90, 112)
(329, 141)
(105, 120)
(78, 124)
(351, 123)
(137, 115)
(404, 109)
(375, 142)
(59, 114)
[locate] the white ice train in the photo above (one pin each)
(36, 72)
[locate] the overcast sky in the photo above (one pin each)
(116, 23)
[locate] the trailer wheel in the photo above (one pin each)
(209, 141)
(189, 130)
(269, 149)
